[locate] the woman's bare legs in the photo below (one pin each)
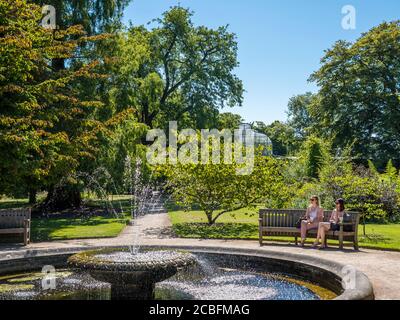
(305, 226)
(323, 227)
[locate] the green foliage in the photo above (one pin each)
(218, 189)
(50, 126)
(229, 121)
(375, 195)
(94, 15)
(281, 135)
(358, 100)
(299, 116)
(175, 71)
(44, 128)
(313, 154)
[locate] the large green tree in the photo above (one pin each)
(358, 100)
(95, 16)
(176, 71)
(299, 117)
(46, 128)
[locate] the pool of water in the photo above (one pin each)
(216, 284)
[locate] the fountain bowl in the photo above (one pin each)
(131, 276)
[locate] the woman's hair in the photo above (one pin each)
(341, 202)
(316, 198)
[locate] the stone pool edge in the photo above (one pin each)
(26, 260)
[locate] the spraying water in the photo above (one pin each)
(142, 195)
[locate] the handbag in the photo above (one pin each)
(347, 219)
(298, 222)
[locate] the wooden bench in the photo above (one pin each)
(281, 223)
(16, 221)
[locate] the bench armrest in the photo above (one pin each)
(27, 223)
(342, 224)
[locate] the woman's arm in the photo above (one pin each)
(321, 215)
(333, 217)
(308, 213)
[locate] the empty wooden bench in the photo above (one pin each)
(16, 221)
(282, 223)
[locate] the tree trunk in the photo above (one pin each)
(32, 196)
(62, 198)
(364, 228)
(210, 218)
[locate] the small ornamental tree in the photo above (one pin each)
(313, 154)
(218, 189)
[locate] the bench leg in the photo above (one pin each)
(356, 245)
(296, 241)
(25, 237)
(326, 242)
(261, 239)
(341, 241)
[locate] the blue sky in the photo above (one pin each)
(280, 42)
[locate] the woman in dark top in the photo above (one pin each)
(333, 224)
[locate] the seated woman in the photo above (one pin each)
(333, 224)
(314, 216)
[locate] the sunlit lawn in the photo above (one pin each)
(76, 228)
(64, 228)
(243, 224)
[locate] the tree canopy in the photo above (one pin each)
(93, 15)
(47, 127)
(358, 100)
(177, 71)
(218, 189)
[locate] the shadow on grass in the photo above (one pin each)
(374, 238)
(217, 231)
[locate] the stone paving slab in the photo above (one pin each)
(381, 267)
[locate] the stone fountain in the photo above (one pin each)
(132, 276)
(133, 273)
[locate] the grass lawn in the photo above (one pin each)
(76, 228)
(66, 228)
(244, 225)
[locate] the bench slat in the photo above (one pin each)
(11, 231)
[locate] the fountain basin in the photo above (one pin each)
(320, 272)
(132, 276)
